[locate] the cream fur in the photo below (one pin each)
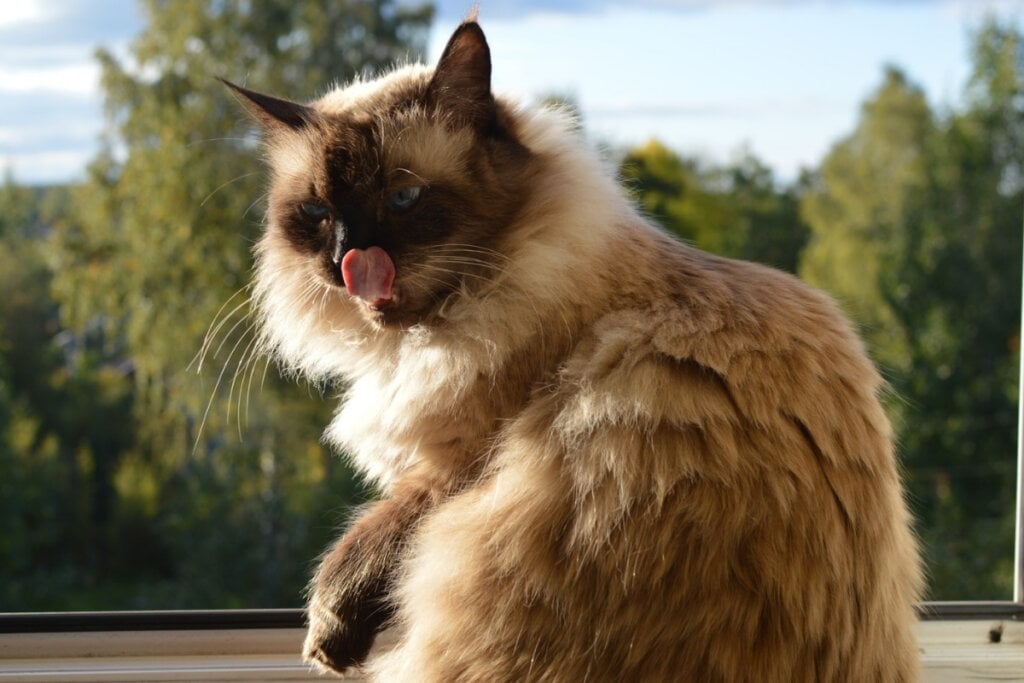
(682, 471)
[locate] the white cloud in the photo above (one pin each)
(28, 136)
(47, 167)
(75, 78)
(23, 12)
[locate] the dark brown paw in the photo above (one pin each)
(332, 644)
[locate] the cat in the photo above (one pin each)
(604, 454)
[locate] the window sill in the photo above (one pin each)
(251, 654)
(958, 647)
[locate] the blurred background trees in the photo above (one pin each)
(914, 223)
(123, 497)
(135, 482)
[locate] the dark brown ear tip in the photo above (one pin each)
(234, 88)
(240, 90)
(471, 26)
(272, 111)
(469, 41)
(237, 89)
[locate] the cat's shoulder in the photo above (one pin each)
(689, 304)
(721, 327)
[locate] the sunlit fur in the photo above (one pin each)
(673, 466)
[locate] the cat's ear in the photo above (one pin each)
(462, 78)
(273, 113)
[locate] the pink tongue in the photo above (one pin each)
(369, 275)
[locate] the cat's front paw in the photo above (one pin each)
(333, 644)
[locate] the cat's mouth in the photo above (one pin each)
(369, 275)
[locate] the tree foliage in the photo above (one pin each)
(913, 221)
(916, 224)
(856, 209)
(200, 495)
(163, 226)
(736, 210)
(134, 482)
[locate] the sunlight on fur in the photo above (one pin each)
(605, 455)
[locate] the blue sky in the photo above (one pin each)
(783, 78)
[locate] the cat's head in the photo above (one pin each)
(391, 195)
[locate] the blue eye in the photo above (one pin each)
(314, 211)
(403, 199)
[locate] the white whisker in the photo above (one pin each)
(230, 332)
(216, 386)
(221, 187)
(257, 354)
(197, 142)
(211, 332)
(254, 203)
(227, 361)
(243, 364)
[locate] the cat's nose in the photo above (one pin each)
(340, 241)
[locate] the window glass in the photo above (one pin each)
(152, 458)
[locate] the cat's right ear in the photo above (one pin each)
(462, 79)
(273, 113)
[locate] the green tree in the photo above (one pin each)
(960, 291)
(770, 223)
(56, 450)
(916, 224)
(157, 241)
(735, 211)
(163, 231)
(22, 279)
(856, 205)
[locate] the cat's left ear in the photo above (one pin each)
(273, 113)
(462, 78)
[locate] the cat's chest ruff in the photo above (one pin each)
(395, 415)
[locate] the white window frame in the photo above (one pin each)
(1018, 548)
(958, 641)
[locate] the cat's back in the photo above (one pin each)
(771, 340)
(714, 469)
(706, 492)
(724, 414)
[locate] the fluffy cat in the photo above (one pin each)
(605, 455)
